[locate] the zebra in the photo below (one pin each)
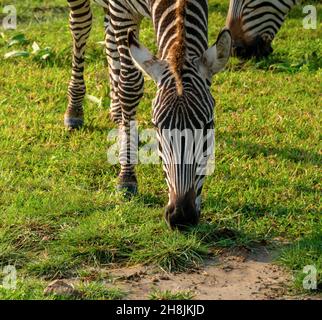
(254, 25)
(182, 71)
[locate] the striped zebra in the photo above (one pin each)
(254, 24)
(182, 70)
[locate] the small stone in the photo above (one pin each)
(228, 268)
(61, 288)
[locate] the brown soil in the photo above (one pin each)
(238, 275)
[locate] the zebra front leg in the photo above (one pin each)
(80, 22)
(130, 92)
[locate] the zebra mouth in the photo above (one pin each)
(181, 219)
(260, 47)
(181, 213)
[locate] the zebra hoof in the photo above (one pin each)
(73, 123)
(128, 191)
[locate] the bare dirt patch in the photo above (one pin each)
(235, 275)
(238, 275)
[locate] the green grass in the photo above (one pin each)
(59, 212)
(33, 289)
(305, 252)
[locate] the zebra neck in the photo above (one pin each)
(193, 40)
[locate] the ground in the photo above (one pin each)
(61, 218)
(236, 275)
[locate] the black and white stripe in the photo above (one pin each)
(255, 23)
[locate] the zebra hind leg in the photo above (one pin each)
(114, 65)
(127, 183)
(80, 22)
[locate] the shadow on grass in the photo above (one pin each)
(228, 239)
(210, 234)
(255, 210)
(281, 63)
(91, 128)
(293, 154)
(150, 200)
(84, 212)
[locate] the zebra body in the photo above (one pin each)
(254, 24)
(182, 71)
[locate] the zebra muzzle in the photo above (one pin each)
(181, 213)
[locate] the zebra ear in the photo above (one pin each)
(215, 58)
(144, 60)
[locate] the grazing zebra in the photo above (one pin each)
(254, 24)
(182, 71)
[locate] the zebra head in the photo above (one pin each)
(183, 112)
(254, 25)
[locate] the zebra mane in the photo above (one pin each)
(176, 55)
